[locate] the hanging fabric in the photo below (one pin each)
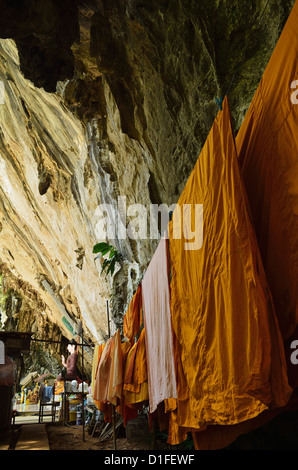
(108, 384)
(267, 146)
(158, 327)
(103, 373)
(116, 372)
(98, 349)
(133, 317)
(135, 382)
(230, 359)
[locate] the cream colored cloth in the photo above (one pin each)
(109, 377)
(158, 328)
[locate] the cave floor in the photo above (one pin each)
(69, 438)
(56, 436)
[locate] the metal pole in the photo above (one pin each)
(83, 396)
(89, 346)
(108, 315)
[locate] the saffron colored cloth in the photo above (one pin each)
(267, 147)
(108, 387)
(158, 327)
(98, 349)
(135, 386)
(116, 371)
(102, 377)
(230, 358)
(59, 387)
(130, 364)
(133, 318)
(109, 378)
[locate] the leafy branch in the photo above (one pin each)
(114, 256)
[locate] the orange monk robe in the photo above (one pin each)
(133, 317)
(125, 348)
(102, 376)
(178, 411)
(231, 354)
(125, 411)
(98, 349)
(130, 365)
(140, 371)
(116, 371)
(267, 147)
(135, 387)
(109, 377)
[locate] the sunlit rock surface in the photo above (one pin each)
(47, 203)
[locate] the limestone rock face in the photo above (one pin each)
(106, 100)
(47, 203)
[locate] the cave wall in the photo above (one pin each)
(46, 208)
(106, 99)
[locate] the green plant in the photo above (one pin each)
(113, 256)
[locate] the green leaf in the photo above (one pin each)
(100, 247)
(111, 267)
(114, 256)
(105, 264)
(106, 250)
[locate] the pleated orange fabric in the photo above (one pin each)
(98, 349)
(267, 147)
(135, 386)
(140, 374)
(116, 371)
(133, 317)
(102, 377)
(267, 150)
(130, 365)
(125, 348)
(231, 360)
(109, 378)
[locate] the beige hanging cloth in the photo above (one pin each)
(158, 328)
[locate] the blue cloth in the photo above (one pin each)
(47, 394)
